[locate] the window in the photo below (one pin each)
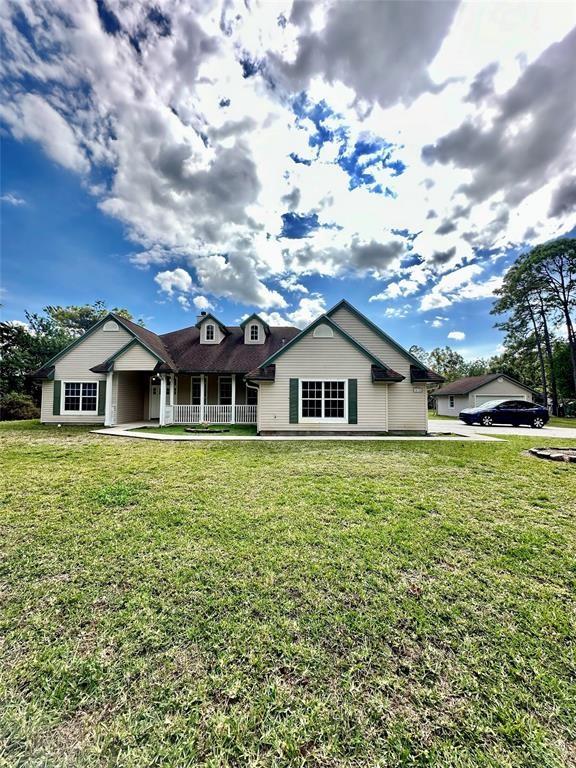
(196, 392)
(451, 401)
(251, 396)
(225, 390)
(323, 331)
(210, 335)
(323, 400)
(80, 397)
(254, 332)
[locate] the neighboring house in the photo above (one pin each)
(475, 390)
(340, 374)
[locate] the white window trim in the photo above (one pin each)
(251, 328)
(63, 411)
(322, 419)
(206, 326)
(451, 401)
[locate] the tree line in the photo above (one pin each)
(536, 306)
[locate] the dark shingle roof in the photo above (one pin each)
(424, 376)
(470, 383)
(232, 355)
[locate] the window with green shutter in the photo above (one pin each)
(56, 401)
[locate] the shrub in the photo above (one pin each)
(15, 406)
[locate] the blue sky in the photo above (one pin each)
(240, 161)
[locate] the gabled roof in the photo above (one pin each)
(324, 319)
(254, 316)
(209, 316)
(147, 338)
(470, 383)
(108, 365)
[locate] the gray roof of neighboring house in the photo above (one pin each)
(470, 383)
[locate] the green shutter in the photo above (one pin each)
(56, 402)
(293, 401)
(352, 401)
(101, 398)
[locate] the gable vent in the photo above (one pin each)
(323, 331)
(110, 326)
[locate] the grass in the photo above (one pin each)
(555, 421)
(180, 429)
(334, 604)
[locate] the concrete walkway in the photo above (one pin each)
(455, 425)
(126, 430)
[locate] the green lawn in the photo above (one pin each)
(334, 604)
(224, 429)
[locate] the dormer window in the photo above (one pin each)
(209, 332)
(254, 332)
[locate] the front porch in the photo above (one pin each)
(179, 398)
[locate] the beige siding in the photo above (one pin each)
(99, 346)
(505, 390)
(128, 394)
(135, 359)
(71, 418)
(317, 358)
(443, 405)
(75, 366)
(408, 410)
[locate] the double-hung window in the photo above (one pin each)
(254, 332)
(225, 390)
(323, 400)
(80, 397)
(196, 391)
(210, 333)
(451, 401)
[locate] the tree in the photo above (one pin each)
(24, 347)
(448, 363)
(554, 267)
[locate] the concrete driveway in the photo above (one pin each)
(458, 427)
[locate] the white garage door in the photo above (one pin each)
(481, 399)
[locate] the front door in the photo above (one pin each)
(154, 412)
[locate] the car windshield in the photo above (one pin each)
(490, 404)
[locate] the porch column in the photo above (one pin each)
(162, 414)
(108, 415)
(202, 398)
(233, 417)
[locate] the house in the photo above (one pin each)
(475, 390)
(341, 374)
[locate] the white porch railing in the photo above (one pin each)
(212, 414)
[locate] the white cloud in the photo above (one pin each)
(202, 303)
(174, 280)
(194, 159)
(402, 311)
(31, 117)
(11, 198)
(457, 335)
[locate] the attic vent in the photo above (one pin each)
(323, 332)
(110, 326)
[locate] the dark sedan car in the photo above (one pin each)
(514, 412)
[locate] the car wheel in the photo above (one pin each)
(486, 421)
(538, 422)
